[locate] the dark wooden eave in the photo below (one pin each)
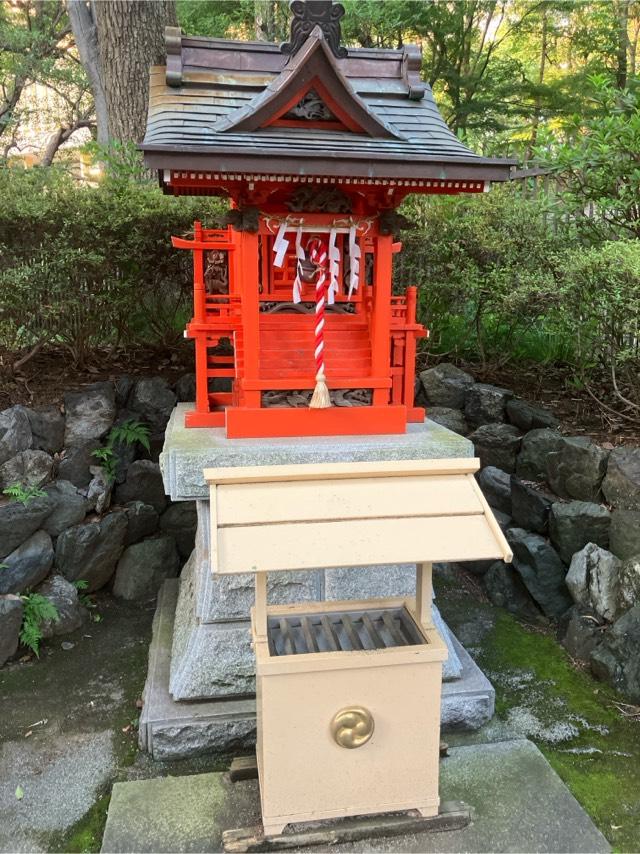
(209, 106)
(313, 64)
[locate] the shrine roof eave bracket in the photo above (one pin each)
(218, 160)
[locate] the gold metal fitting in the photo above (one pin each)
(352, 727)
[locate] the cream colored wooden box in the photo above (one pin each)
(305, 773)
(345, 730)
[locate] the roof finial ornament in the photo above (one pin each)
(307, 14)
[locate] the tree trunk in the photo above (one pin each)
(538, 99)
(622, 69)
(85, 33)
(130, 40)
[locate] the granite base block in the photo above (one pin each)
(231, 597)
(215, 659)
(188, 451)
(170, 729)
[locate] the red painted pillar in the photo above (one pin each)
(381, 316)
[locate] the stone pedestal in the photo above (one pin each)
(210, 662)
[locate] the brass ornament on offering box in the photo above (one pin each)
(352, 727)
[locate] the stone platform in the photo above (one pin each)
(518, 804)
(202, 671)
(176, 730)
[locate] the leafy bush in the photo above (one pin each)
(599, 298)
(598, 168)
(486, 268)
(87, 266)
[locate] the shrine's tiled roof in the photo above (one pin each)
(201, 105)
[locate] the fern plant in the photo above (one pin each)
(24, 494)
(108, 461)
(36, 609)
(83, 598)
(127, 433)
(130, 432)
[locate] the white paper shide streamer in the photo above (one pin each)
(280, 245)
(334, 262)
(354, 261)
(300, 256)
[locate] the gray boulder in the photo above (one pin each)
(621, 485)
(629, 584)
(186, 388)
(576, 468)
(18, 521)
(99, 490)
(530, 507)
(144, 566)
(525, 416)
(47, 428)
(15, 432)
(89, 413)
(503, 519)
(180, 521)
(452, 419)
(153, 401)
(592, 580)
(69, 507)
(123, 386)
(142, 521)
(541, 570)
(446, 385)
(28, 468)
(496, 487)
(573, 525)
(485, 404)
(617, 659)
(497, 445)
(505, 588)
(534, 453)
(143, 483)
(64, 596)
(10, 622)
(28, 565)
(582, 633)
(624, 535)
(76, 462)
(91, 551)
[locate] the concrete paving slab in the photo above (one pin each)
(519, 804)
(59, 778)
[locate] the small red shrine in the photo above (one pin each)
(315, 146)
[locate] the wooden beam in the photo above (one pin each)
(453, 815)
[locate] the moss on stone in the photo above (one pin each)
(86, 834)
(589, 743)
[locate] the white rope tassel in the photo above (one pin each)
(300, 256)
(354, 261)
(334, 259)
(280, 245)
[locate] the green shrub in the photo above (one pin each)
(86, 266)
(486, 268)
(599, 299)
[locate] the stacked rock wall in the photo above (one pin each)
(570, 510)
(79, 524)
